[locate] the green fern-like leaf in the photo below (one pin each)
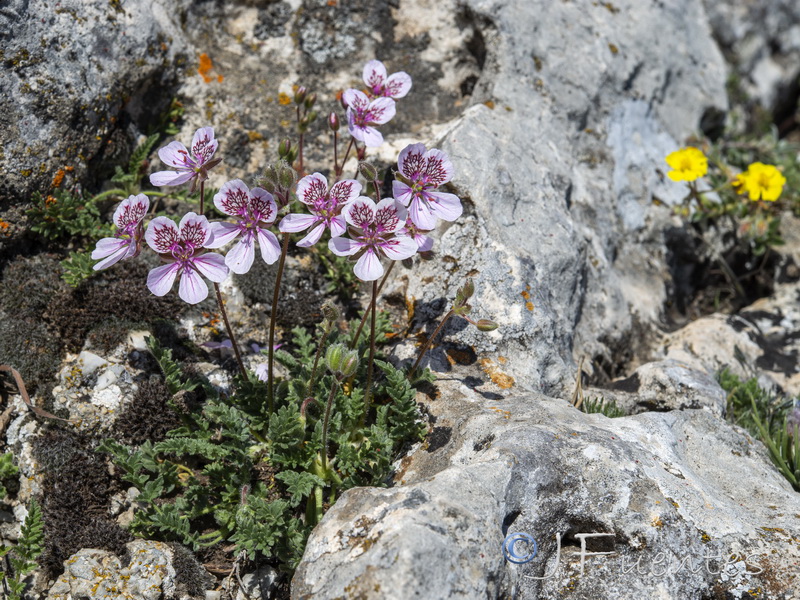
(172, 371)
(299, 484)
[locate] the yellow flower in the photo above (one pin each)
(761, 182)
(688, 164)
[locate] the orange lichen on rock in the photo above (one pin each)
(205, 68)
(526, 295)
(500, 379)
(284, 99)
(58, 178)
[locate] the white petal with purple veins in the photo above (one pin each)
(312, 188)
(240, 258)
(160, 279)
(399, 248)
(369, 267)
(176, 155)
(131, 210)
(270, 247)
(342, 246)
(111, 250)
(439, 169)
(360, 212)
(295, 222)
(233, 198)
(344, 191)
(263, 206)
(192, 288)
(412, 160)
(312, 237)
(402, 192)
(204, 145)
(211, 265)
(355, 99)
(163, 178)
(221, 234)
(398, 85)
(195, 228)
(445, 206)
(421, 215)
(382, 110)
(390, 215)
(338, 226)
(374, 74)
(371, 137)
(161, 234)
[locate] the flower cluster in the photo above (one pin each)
(376, 106)
(369, 230)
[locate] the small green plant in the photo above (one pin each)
(78, 267)
(608, 408)
(773, 420)
(261, 479)
(22, 557)
(65, 214)
(8, 470)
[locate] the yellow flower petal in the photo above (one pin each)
(688, 164)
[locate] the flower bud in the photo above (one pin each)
(300, 94)
(312, 116)
(464, 293)
(486, 325)
(287, 177)
(310, 101)
(333, 121)
(369, 172)
(341, 361)
(284, 148)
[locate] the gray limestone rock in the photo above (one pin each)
(75, 76)
(149, 571)
(686, 505)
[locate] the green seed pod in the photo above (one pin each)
(330, 312)
(341, 361)
(486, 325)
(369, 172)
(312, 116)
(349, 363)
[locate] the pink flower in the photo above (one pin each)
(374, 235)
(182, 248)
(194, 167)
(254, 210)
(325, 205)
(394, 86)
(363, 113)
(421, 172)
(127, 241)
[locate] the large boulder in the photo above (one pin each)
(686, 507)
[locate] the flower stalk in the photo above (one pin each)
(273, 313)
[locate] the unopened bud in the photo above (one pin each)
(486, 325)
(287, 177)
(341, 361)
(369, 172)
(300, 94)
(310, 101)
(312, 116)
(464, 293)
(333, 121)
(284, 148)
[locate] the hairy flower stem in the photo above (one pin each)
(234, 343)
(336, 153)
(202, 195)
(326, 332)
(370, 363)
(273, 313)
(368, 312)
(429, 342)
(328, 407)
(344, 160)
